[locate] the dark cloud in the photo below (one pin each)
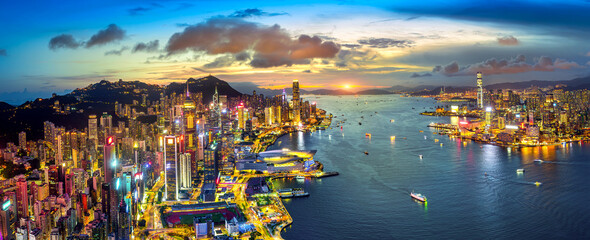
(243, 56)
(508, 41)
(418, 75)
(507, 66)
(306, 71)
(116, 52)
(63, 41)
(271, 45)
(151, 46)
(141, 10)
(354, 57)
(111, 34)
(2, 52)
(223, 61)
(350, 45)
(253, 12)
(385, 42)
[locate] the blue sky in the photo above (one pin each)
(51, 46)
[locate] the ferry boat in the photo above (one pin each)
(418, 196)
(538, 160)
(520, 170)
(300, 177)
(292, 192)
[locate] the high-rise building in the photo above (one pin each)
(22, 198)
(58, 147)
(93, 128)
(49, 132)
(296, 103)
(106, 123)
(170, 168)
(210, 164)
(488, 116)
(184, 173)
(22, 140)
(217, 107)
(241, 120)
(189, 122)
(479, 91)
(110, 159)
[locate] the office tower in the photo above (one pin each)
(22, 198)
(49, 132)
(216, 107)
(189, 122)
(184, 173)
(296, 103)
(210, 164)
(241, 120)
(106, 123)
(22, 140)
(488, 116)
(171, 173)
(58, 147)
(93, 128)
(479, 91)
(110, 160)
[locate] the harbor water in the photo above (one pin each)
(473, 189)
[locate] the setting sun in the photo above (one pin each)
(346, 86)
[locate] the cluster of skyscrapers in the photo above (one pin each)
(90, 183)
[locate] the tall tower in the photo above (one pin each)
(22, 140)
(22, 198)
(93, 128)
(171, 173)
(479, 91)
(110, 161)
(296, 102)
(216, 107)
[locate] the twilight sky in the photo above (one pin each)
(49, 46)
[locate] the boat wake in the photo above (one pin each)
(397, 189)
(512, 181)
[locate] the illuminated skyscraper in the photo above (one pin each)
(488, 116)
(296, 103)
(93, 128)
(479, 91)
(185, 180)
(110, 160)
(22, 198)
(189, 121)
(171, 173)
(106, 123)
(241, 120)
(22, 140)
(216, 107)
(49, 132)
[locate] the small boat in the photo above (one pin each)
(418, 196)
(538, 160)
(367, 135)
(520, 170)
(420, 156)
(366, 153)
(391, 120)
(360, 123)
(300, 177)
(421, 131)
(538, 183)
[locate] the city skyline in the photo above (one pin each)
(332, 44)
